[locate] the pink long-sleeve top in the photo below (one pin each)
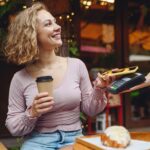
(74, 90)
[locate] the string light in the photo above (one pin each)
(88, 3)
(24, 7)
(103, 3)
(84, 2)
(60, 17)
(72, 13)
(2, 2)
(109, 1)
(87, 7)
(66, 17)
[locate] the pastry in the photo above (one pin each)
(116, 136)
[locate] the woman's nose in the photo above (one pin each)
(57, 27)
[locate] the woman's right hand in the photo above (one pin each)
(42, 104)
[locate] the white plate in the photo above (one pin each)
(134, 145)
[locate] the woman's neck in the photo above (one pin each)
(47, 58)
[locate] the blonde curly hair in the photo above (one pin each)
(21, 46)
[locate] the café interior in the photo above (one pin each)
(104, 34)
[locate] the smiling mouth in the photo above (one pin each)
(56, 36)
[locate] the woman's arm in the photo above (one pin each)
(19, 122)
(93, 99)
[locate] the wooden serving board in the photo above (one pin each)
(140, 141)
(2, 147)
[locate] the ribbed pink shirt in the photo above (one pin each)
(75, 89)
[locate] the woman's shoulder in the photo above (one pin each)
(76, 60)
(20, 73)
(21, 76)
(21, 81)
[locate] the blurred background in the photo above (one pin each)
(105, 34)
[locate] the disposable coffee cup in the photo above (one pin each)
(45, 84)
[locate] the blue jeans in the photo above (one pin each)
(50, 141)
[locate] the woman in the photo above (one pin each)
(49, 122)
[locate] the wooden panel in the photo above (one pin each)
(57, 7)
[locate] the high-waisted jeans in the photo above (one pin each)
(50, 141)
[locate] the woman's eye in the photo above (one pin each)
(48, 24)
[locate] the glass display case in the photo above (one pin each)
(139, 30)
(138, 102)
(97, 32)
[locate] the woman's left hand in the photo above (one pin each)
(103, 81)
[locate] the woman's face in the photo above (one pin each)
(48, 31)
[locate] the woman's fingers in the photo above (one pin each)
(101, 77)
(100, 81)
(103, 81)
(45, 105)
(42, 108)
(45, 110)
(147, 77)
(41, 95)
(106, 77)
(43, 100)
(42, 103)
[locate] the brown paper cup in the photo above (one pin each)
(45, 84)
